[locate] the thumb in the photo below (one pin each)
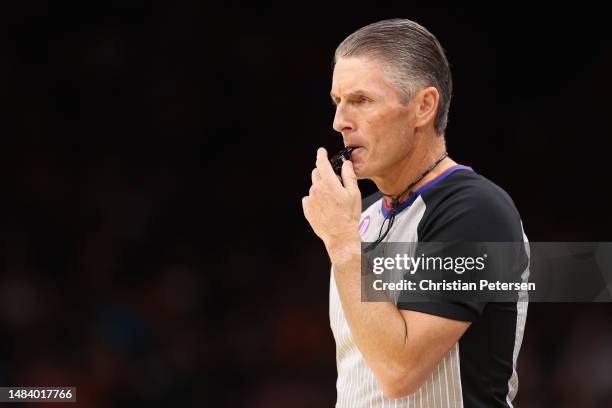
(349, 179)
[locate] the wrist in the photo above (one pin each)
(344, 250)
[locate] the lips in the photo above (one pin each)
(355, 149)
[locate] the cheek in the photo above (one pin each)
(389, 143)
(375, 128)
(387, 132)
(399, 127)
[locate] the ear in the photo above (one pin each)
(426, 102)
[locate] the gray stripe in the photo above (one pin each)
(521, 318)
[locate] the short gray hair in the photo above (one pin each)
(413, 57)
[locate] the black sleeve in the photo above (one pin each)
(464, 218)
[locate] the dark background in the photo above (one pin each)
(152, 244)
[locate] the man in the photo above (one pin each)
(392, 88)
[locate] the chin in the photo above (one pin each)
(360, 172)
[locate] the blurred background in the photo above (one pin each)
(152, 244)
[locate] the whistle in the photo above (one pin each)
(342, 156)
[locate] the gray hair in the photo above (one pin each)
(413, 57)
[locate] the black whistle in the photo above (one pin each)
(342, 156)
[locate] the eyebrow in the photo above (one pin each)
(357, 92)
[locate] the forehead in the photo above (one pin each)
(359, 73)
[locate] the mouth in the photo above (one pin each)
(340, 157)
(354, 148)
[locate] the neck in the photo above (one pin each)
(414, 165)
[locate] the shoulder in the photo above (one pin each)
(368, 201)
(468, 206)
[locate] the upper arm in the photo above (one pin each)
(428, 339)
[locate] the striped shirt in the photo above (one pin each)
(480, 369)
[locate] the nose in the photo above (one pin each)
(342, 121)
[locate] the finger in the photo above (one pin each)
(315, 176)
(349, 179)
(323, 164)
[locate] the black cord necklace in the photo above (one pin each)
(395, 204)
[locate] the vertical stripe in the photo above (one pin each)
(357, 370)
(370, 387)
(458, 364)
(453, 376)
(440, 384)
(521, 318)
(427, 391)
(373, 390)
(421, 396)
(453, 370)
(362, 371)
(446, 381)
(350, 386)
(433, 387)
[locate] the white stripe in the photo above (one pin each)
(421, 396)
(433, 386)
(427, 391)
(458, 362)
(521, 318)
(430, 394)
(446, 381)
(439, 380)
(439, 383)
(362, 378)
(436, 387)
(452, 370)
(371, 388)
(355, 383)
(350, 387)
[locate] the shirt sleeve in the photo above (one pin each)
(465, 222)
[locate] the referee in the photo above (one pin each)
(392, 89)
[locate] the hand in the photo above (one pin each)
(332, 209)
